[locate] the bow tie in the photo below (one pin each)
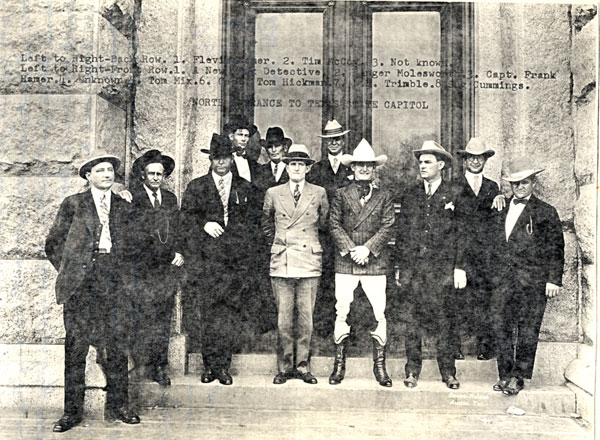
(240, 153)
(519, 201)
(363, 188)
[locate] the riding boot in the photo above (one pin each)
(379, 364)
(339, 363)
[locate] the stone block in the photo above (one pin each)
(585, 222)
(28, 206)
(111, 130)
(586, 142)
(28, 310)
(177, 354)
(583, 62)
(588, 302)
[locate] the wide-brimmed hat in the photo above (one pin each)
(476, 147)
(236, 122)
(97, 156)
(219, 146)
(333, 129)
(519, 169)
(363, 153)
(432, 147)
(298, 152)
(275, 136)
(153, 156)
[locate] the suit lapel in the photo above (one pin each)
(303, 203)
(287, 200)
(522, 221)
(366, 210)
(354, 199)
(91, 215)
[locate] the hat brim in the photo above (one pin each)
(521, 175)
(442, 154)
(488, 153)
(230, 129)
(306, 160)
(325, 136)
(90, 163)
(348, 159)
(217, 153)
(286, 141)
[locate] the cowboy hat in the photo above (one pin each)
(298, 152)
(520, 169)
(476, 147)
(152, 156)
(333, 129)
(275, 136)
(432, 147)
(219, 146)
(363, 153)
(237, 122)
(97, 156)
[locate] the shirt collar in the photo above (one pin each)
(293, 185)
(434, 185)
(98, 193)
(226, 178)
(149, 191)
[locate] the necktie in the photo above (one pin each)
(429, 193)
(336, 165)
(104, 215)
(224, 201)
(297, 194)
(155, 201)
(274, 168)
(477, 183)
(519, 201)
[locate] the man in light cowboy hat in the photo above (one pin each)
(239, 131)
(528, 259)
(428, 257)
(89, 244)
(218, 212)
(361, 222)
(273, 173)
(157, 255)
(478, 196)
(293, 214)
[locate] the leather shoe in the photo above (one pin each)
(513, 387)
(123, 414)
(279, 379)
(162, 377)
(459, 356)
(224, 376)
(207, 376)
(410, 381)
(308, 378)
(499, 386)
(483, 357)
(451, 382)
(66, 422)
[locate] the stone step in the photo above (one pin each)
(258, 392)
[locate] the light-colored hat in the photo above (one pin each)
(432, 147)
(476, 147)
(363, 153)
(298, 152)
(519, 169)
(333, 129)
(97, 156)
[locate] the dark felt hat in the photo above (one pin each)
(275, 136)
(152, 156)
(236, 122)
(219, 146)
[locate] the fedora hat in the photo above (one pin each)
(333, 129)
(519, 169)
(476, 147)
(219, 146)
(275, 136)
(363, 153)
(298, 152)
(152, 156)
(97, 156)
(236, 122)
(432, 147)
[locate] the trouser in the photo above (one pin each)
(374, 287)
(517, 306)
(97, 309)
(301, 293)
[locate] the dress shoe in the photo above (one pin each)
(459, 356)
(66, 422)
(280, 378)
(499, 386)
(451, 382)
(123, 414)
(207, 376)
(308, 378)
(514, 385)
(483, 357)
(224, 376)
(410, 381)
(161, 377)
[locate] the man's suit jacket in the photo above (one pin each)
(322, 174)
(265, 179)
(252, 165)
(534, 252)
(352, 224)
(72, 242)
(295, 251)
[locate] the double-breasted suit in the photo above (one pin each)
(532, 256)
(295, 266)
(90, 285)
(217, 267)
(427, 251)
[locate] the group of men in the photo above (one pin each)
(316, 231)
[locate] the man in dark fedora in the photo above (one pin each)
(217, 211)
(478, 196)
(293, 214)
(239, 130)
(89, 244)
(361, 222)
(273, 173)
(429, 261)
(157, 256)
(527, 258)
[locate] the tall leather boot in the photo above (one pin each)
(339, 363)
(379, 364)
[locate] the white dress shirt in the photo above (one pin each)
(434, 185)
(471, 179)
(151, 197)
(227, 178)
(293, 186)
(242, 166)
(332, 159)
(105, 240)
(514, 212)
(277, 170)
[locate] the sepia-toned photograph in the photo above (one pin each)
(283, 219)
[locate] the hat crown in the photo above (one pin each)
(476, 146)
(298, 150)
(519, 165)
(275, 135)
(333, 129)
(432, 145)
(98, 156)
(363, 152)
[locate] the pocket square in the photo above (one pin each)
(449, 205)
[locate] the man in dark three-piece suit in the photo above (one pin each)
(156, 258)
(361, 222)
(273, 173)
(89, 245)
(528, 259)
(219, 214)
(239, 130)
(429, 261)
